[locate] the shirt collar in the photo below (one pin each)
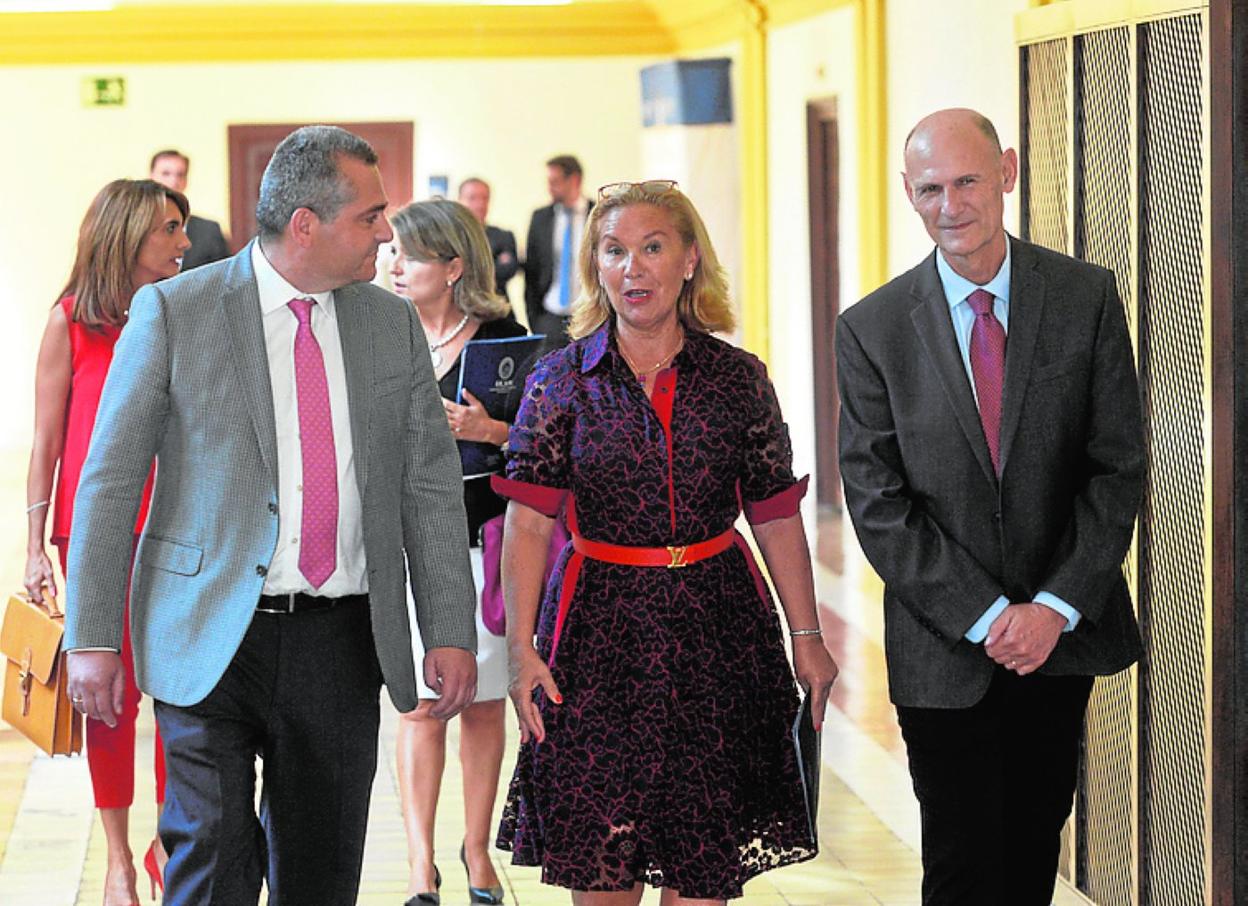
(957, 287)
(276, 291)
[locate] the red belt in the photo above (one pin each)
(672, 556)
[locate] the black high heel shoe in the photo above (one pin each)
(487, 896)
(429, 898)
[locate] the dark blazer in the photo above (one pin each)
(540, 260)
(943, 532)
(502, 242)
(207, 243)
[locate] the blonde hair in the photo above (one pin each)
(703, 303)
(112, 234)
(444, 230)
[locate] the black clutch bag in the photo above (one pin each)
(806, 746)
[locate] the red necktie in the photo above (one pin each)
(988, 370)
(318, 544)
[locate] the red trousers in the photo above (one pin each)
(110, 750)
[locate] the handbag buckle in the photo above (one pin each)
(25, 677)
(677, 554)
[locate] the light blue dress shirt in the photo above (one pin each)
(957, 288)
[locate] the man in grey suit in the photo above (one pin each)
(302, 455)
(994, 487)
(171, 168)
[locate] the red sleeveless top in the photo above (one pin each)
(91, 352)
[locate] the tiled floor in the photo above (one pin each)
(52, 852)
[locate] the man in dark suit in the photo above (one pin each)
(550, 272)
(994, 487)
(305, 468)
(170, 168)
(474, 194)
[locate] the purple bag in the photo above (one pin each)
(493, 611)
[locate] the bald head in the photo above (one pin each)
(957, 119)
(956, 176)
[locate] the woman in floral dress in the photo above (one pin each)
(655, 707)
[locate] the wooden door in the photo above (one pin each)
(252, 145)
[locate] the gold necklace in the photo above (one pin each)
(641, 373)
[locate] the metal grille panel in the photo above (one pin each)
(1106, 814)
(1045, 150)
(1174, 599)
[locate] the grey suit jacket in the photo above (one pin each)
(943, 532)
(189, 385)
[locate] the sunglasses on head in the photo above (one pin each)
(649, 186)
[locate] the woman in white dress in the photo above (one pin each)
(443, 266)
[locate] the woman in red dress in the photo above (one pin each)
(655, 707)
(134, 233)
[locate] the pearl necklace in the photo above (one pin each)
(436, 356)
(641, 373)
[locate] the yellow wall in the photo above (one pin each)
(809, 60)
(500, 119)
(945, 55)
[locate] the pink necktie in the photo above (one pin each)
(988, 369)
(318, 550)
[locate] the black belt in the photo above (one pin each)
(298, 602)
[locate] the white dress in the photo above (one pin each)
(491, 649)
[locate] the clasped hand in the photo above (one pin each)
(816, 672)
(1023, 636)
(470, 421)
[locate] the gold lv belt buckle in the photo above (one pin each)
(678, 556)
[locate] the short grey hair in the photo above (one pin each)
(304, 173)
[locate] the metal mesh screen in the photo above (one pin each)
(1106, 815)
(1173, 594)
(1045, 147)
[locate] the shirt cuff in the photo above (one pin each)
(778, 506)
(979, 631)
(1053, 602)
(545, 500)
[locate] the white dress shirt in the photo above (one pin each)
(351, 573)
(580, 214)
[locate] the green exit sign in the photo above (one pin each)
(108, 91)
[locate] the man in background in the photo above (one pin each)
(550, 272)
(208, 244)
(474, 194)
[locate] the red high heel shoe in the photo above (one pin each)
(153, 870)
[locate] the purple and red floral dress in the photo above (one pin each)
(669, 761)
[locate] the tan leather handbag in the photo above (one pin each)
(36, 701)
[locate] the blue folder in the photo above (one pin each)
(494, 371)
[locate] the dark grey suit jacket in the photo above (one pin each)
(189, 386)
(943, 532)
(207, 243)
(502, 243)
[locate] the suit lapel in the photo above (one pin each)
(240, 305)
(356, 335)
(935, 329)
(1027, 288)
